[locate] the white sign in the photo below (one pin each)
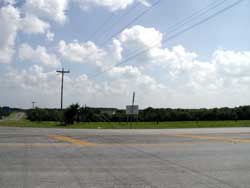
(132, 110)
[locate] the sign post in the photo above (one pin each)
(132, 110)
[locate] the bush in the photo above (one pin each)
(71, 114)
(38, 114)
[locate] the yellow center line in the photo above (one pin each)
(71, 140)
(85, 143)
(213, 138)
(200, 137)
(150, 144)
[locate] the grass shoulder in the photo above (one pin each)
(123, 125)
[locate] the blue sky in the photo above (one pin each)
(201, 68)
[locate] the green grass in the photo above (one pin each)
(13, 116)
(139, 125)
(27, 123)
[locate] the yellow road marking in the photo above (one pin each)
(37, 145)
(151, 144)
(71, 140)
(213, 138)
(78, 142)
(200, 137)
(85, 143)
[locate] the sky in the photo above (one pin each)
(115, 47)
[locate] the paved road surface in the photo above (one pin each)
(192, 158)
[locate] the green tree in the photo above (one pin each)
(71, 114)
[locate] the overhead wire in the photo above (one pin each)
(214, 4)
(131, 22)
(194, 16)
(99, 28)
(94, 35)
(116, 22)
(172, 36)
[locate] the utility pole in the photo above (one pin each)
(133, 102)
(62, 72)
(33, 104)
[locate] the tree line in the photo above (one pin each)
(4, 111)
(76, 113)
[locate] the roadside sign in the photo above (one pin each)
(132, 110)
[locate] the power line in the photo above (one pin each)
(131, 22)
(203, 11)
(116, 21)
(101, 26)
(196, 14)
(174, 36)
(106, 22)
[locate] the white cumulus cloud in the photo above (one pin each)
(9, 23)
(27, 53)
(140, 36)
(32, 24)
(163, 77)
(49, 9)
(231, 63)
(82, 52)
(112, 5)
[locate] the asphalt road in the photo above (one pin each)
(192, 158)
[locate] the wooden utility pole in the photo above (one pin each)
(62, 72)
(33, 104)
